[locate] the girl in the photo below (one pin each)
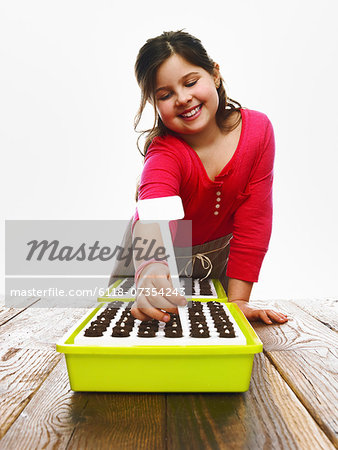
(218, 157)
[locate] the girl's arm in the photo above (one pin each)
(239, 289)
(239, 292)
(153, 286)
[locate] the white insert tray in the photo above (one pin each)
(108, 340)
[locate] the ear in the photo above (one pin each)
(217, 75)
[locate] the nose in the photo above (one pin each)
(183, 97)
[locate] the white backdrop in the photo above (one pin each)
(69, 96)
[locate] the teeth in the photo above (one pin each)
(192, 112)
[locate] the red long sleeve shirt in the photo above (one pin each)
(243, 191)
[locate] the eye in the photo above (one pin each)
(191, 83)
(164, 97)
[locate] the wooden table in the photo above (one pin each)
(291, 403)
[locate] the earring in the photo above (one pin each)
(217, 84)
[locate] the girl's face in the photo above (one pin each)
(186, 96)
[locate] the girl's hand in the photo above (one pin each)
(265, 315)
(154, 292)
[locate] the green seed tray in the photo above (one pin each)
(161, 368)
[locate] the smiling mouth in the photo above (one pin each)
(192, 112)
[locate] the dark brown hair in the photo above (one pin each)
(153, 53)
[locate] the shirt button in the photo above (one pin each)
(216, 213)
(218, 199)
(218, 193)
(217, 206)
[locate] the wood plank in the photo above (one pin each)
(39, 328)
(312, 375)
(44, 326)
(57, 417)
(260, 418)
(21, 374)
(119, 421)
(50, 418)
(306, 353)
(324, 310)
(267, 416)
(300, 332)
(7, 314)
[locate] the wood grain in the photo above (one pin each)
(7, 314)
(268, 416)
(305, 352)
(121, 421)
(312, 375)
(56, 417)
(40, 411)
(301, 332)
(21, 373)
(324, 310)
(49, 419)
(39, 328)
